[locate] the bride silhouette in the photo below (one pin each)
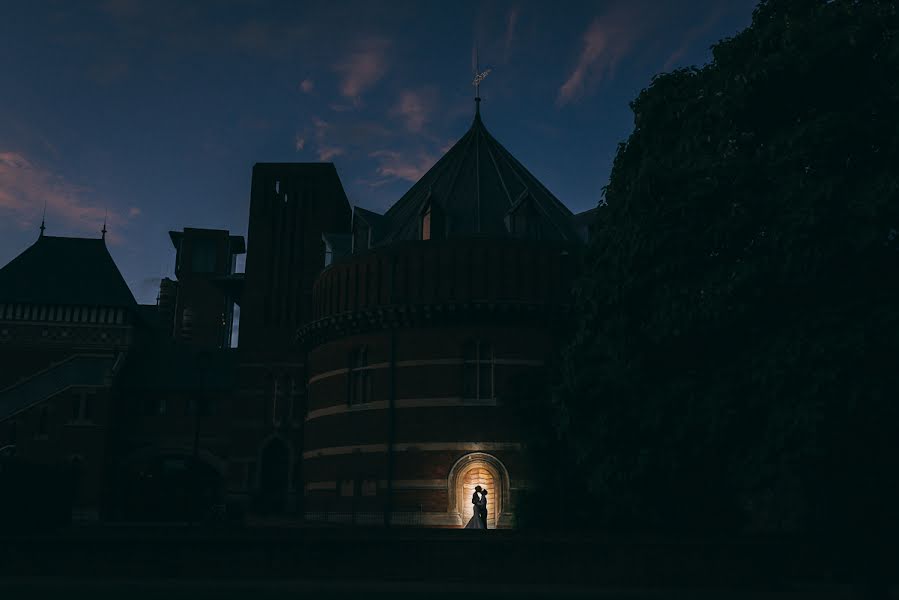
(479, 507)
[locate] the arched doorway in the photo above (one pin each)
(481, 469)
(273, 479)
(479, 475)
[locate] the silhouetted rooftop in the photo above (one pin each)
(475, 184)
(64, 270)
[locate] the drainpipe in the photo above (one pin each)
(391, 400)
(391, 427)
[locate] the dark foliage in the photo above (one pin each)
(735, 364)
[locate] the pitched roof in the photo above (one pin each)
(63, 270)
(475, 184)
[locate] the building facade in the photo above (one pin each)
(375, 360)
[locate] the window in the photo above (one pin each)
(359, 391)
(81, 406)
(426, 224)
(369, 487)
(296, 400)
(202, 256)
(187, 324)
(347, 487)
(477, 371)
(328, 253)
(524, 221)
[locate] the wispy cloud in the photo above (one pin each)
(324, 140)
(363, 67)
(393, 165)
(415, 108)
(607, 40)
(509, 38)
(299, 142)
(307, 85)
(25, 187)
(326, 153)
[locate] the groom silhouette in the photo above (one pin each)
(483, 508)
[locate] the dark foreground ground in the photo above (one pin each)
(133, 563)
(482, 590)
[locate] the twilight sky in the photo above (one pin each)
(156, 111)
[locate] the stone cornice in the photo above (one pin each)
(402, 316)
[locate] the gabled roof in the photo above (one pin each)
(63, 270)
(475, 184)
(375, 222)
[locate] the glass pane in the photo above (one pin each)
(469, 381)
(485, 380)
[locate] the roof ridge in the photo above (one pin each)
(500, 175)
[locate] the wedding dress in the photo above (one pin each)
(476, 522)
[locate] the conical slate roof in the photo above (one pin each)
(475, 184)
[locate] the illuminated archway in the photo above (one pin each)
(478, 468)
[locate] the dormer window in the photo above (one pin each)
(431, 221)
(426, 224)
(523, 220)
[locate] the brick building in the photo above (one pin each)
(373, 364)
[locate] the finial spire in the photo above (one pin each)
(478, 78)
(43, 220)
(103, 231)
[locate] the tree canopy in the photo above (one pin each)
(734, 363)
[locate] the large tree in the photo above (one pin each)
(735, 361)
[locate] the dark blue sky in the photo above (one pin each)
(156, 111)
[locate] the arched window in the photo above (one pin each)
(477, 376)
(359, 380)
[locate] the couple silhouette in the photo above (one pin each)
(479, 517)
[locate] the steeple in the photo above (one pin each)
(43, 219)
(103, 231)
(475, 185)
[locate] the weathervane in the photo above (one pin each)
(478, 78)
(477, 81)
